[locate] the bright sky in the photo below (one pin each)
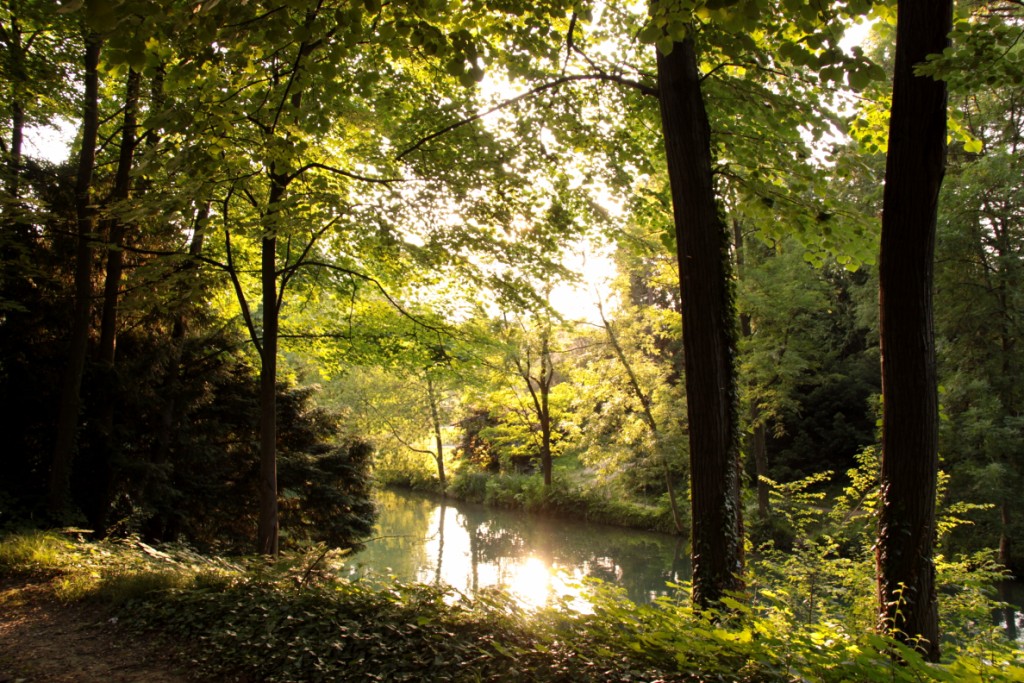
(50, 143)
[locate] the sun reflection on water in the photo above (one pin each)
(536, 561)
(535, 583)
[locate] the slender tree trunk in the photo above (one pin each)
(915, 164)
(702, 241)
(440, 543)
(70, 397)
(645, 404)
(268, 515)
(106, 350)
(160, 526)
(116, 227)
(179, 330)
(435, 418)
(546, 376)
(15, 154)
(759, 448)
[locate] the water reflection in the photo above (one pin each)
(537, 559)
(1010, 617)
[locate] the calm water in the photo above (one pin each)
(536, 558)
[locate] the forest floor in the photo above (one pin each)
(43, 640)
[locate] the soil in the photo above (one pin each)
(43, 640)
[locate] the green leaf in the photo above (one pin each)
(650, 34)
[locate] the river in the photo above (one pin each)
(538, 560)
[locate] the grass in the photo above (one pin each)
(35, 552)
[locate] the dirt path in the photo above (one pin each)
(45, 641)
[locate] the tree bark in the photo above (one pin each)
(70, 397)
(546, 376)
(269, 525)
(116, 227)
(106, 350)
(702, 243)
(915, 164)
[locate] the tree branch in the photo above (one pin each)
(341, 172)
(609, 78)
(375, 282)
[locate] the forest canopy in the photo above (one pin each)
(297, 243)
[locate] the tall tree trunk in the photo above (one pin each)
(546, 377)
(759, 448)
(70, 397)
(268, 530)
(702, 241)
(915, 164)
(15, 154)
(115, 229)
(435, 418)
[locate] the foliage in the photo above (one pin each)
(569, 496)
(292, 620)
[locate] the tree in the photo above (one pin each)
(915, 165)
(754, 54)
(70, 399)
(708, 329)
(645, 399)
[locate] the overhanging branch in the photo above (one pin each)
(558, 82)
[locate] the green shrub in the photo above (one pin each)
(469, 485)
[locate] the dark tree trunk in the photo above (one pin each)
(915, 164)
(115, 229)
(267, 540)
(546, 377)
(162, 526)
(14, 155)
(702, 241)
(759, 449)
(70, 397)
(172, 381)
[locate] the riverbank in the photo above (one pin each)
(567, 497)
(247, 619)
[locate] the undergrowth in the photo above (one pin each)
(293, 620)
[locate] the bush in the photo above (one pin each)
(469, 485)
(286, 622)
